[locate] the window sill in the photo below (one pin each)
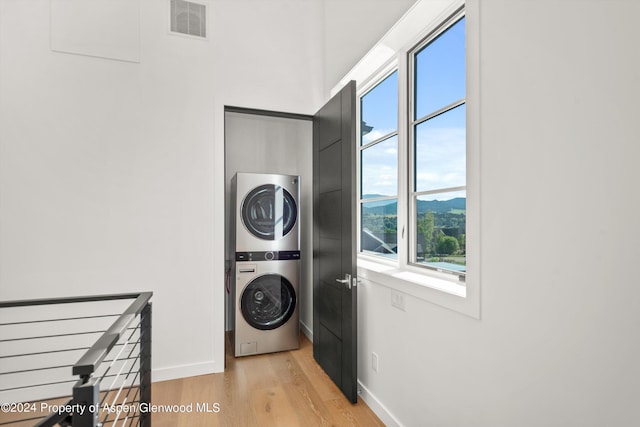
(436, 288)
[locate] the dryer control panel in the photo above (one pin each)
(268, 256)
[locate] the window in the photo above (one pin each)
(438, 150)
(413, 160)
(419, 148)
(379, 169)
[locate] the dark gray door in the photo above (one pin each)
(334, 255)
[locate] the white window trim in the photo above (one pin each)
(391, 52)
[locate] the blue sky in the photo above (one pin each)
(379, 108)
(440, 141)
(440, 75)
(441, 151)
(380, 168)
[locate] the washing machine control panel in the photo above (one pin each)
(268, 256)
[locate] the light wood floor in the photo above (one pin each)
(280, 389)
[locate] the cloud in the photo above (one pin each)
(440, 158)
(380, 168)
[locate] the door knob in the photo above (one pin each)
(346, 281)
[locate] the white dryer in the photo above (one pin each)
(266, 212)
(266, 304)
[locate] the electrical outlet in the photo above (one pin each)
(397, 300)
(374, 362)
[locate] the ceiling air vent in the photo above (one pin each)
(189, 18)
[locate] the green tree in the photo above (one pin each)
(448, 245)
(462, 242)
(425, 227)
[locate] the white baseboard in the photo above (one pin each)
(183, 371)
(307, 331)
(377, 407)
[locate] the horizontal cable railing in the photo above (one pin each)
(82, 361)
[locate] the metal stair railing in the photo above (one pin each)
(113, 374)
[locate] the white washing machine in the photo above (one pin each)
(265, 212)
(266, 303)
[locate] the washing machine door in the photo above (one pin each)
(268, 301)
(269, 212)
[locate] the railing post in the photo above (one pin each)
(145, 364)
(86, 393)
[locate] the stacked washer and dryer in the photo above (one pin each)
(265, 262)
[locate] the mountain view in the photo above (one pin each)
(386, 207)
(440, 227)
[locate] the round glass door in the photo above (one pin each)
(268, 302)
(269, 212)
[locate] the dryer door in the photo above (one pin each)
(269, 212)
(268, 301)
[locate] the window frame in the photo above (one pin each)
(412, 121)
(387, 71)
(442, 289)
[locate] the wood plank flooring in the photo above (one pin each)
(279, 389)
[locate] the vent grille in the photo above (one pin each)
(188, 18)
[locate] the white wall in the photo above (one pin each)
(105, 176)
(112, 173)
(351, 28)
(557, 343)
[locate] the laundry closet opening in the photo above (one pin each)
(275, 143)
